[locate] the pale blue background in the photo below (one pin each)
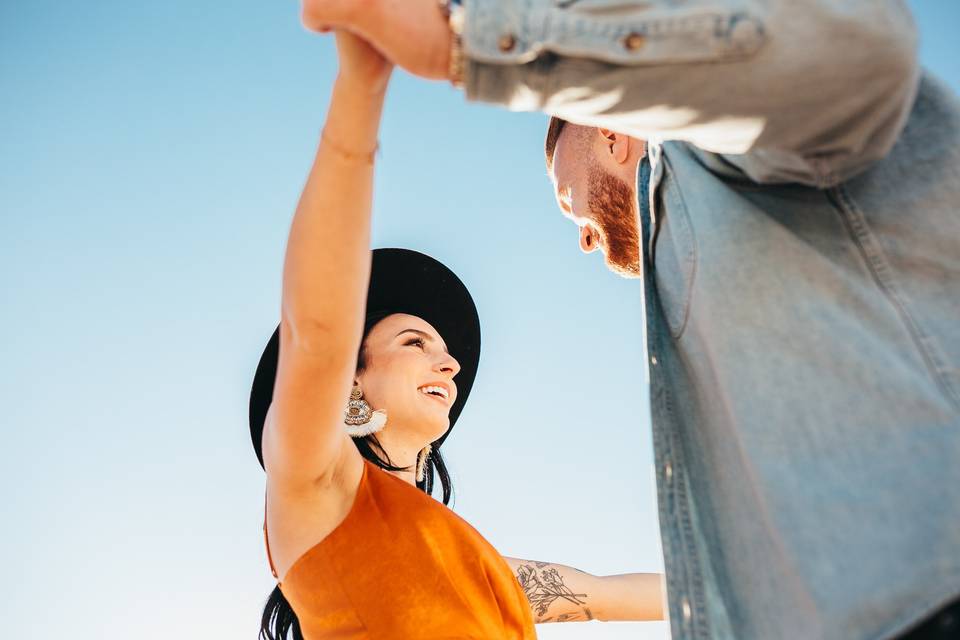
(151, 155)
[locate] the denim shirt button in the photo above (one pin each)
(506, 43)
(687, 613)
(668, 471)
(633, 41)
(653, 360)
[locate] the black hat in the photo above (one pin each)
(401, 281)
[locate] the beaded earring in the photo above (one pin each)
(360, 419)
(422, 462)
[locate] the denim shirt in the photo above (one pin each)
(802, 298)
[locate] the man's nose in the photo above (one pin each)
(588, 239)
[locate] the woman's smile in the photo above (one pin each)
(436, 391)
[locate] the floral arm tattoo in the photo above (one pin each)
(543, 585)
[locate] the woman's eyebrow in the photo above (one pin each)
(423, 334)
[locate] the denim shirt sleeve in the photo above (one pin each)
(808, 91)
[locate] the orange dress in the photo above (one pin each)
(402, 565)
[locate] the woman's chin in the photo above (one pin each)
(434, 417)
(435, 425)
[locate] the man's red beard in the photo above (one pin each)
(613, 205)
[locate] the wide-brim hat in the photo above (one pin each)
(401, 281)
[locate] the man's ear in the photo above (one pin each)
(618, 144)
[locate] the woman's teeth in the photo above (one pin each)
(435, 391)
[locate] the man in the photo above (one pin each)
(795, 217)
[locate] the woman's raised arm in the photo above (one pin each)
(325, 277)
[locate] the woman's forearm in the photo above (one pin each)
(631, 596)
(327, 263)
(558, 593)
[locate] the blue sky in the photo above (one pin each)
(152, 155)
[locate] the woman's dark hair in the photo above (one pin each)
(278, 617)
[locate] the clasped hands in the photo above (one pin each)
(412, 34)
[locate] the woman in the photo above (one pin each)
(357, 545)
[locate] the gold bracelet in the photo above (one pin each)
(349, 154)
(454, 14)
(456, 61)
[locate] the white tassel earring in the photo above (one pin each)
(422, 462)
(360, 419)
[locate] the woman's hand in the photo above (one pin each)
(361, 65)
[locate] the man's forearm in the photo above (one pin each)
(808, 91)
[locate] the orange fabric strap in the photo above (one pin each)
(266, 540)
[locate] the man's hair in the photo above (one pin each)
(553, 134)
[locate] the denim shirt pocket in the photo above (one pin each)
(674, 255)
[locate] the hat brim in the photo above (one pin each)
(401, 281)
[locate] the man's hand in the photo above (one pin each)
(413, 34)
